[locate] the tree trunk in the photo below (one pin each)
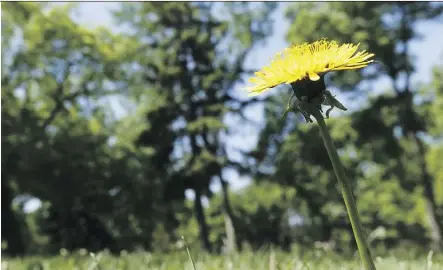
(431, 206)
(231, 244)
(11, 233)
(201, 220)
(315, 206)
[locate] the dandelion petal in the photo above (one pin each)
(314, 77)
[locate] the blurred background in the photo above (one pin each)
(125, 127)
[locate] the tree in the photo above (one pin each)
(183, 77)
(263, 208)
(431, 109)
(367, 23)
(53, 146)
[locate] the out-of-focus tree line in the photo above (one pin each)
(119, 182)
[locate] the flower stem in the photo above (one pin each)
(362, 245)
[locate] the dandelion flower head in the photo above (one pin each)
(308, 61)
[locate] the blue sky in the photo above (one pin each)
(428, 50)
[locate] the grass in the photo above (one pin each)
(260, 260)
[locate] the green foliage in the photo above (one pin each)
(432, 108)
(56, 147)
(387, 167)
(187, 88)
(261, 213)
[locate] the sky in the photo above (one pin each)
(428, 50)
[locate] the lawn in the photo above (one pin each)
(265, 259)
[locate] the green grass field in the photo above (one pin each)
(246, 260)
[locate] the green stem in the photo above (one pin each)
(363, 247)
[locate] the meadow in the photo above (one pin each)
(260, 260)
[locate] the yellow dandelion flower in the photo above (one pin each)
(308, 61)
